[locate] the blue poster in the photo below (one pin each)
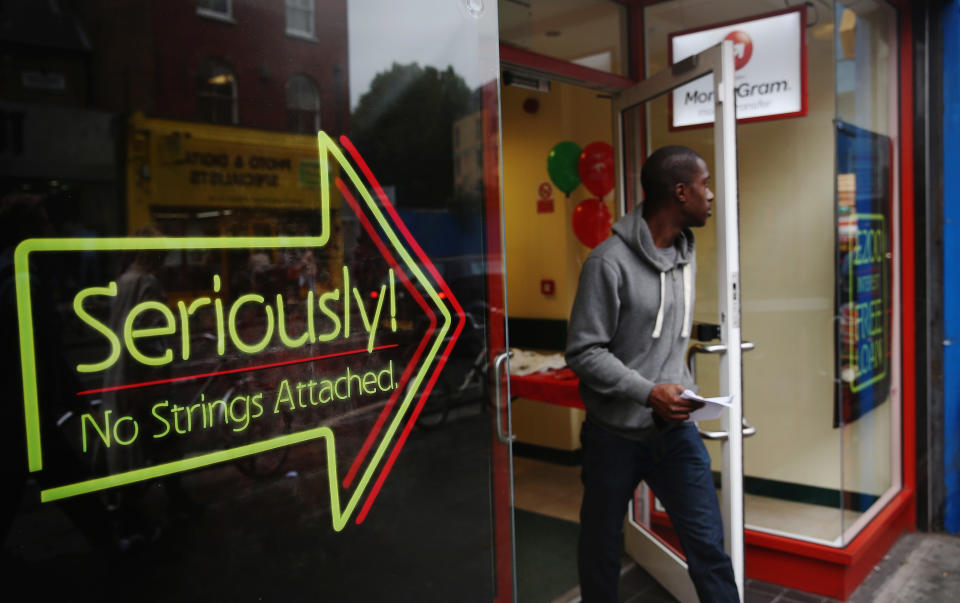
(864, 249)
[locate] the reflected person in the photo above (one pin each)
(138, 283)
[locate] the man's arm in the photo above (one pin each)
(593, 325)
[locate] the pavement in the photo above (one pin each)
(921, 567)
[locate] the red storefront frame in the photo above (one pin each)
(829, 571)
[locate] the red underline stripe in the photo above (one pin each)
(229, 371)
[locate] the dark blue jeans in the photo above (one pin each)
(676, 466)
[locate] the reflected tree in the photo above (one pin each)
(403, 127)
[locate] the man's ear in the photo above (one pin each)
(680, 192)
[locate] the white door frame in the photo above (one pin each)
(648, 549)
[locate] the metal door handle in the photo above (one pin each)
(717, 348)
(711, 348)
(497, 398)
(748, 430)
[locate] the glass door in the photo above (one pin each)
(713, 71)
(815, 190)
(251, 294)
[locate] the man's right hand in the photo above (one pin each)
(666, 402)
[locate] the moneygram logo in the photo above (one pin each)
(742, 48)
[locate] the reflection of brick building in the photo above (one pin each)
(204, 60)
(74, 71)
(45, 55)
(54, 143)
(92, 89)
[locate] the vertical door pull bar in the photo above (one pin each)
(717, 348)
(498, 398)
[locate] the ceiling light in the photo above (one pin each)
(221, 79)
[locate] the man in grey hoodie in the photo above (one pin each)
(627, 338)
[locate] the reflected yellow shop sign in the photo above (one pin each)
(184, 164)
(327, 320)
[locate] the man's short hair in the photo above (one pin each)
(664, 169)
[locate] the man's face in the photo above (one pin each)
(697, 197)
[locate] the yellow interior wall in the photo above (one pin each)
(546, 425)
(543, 246)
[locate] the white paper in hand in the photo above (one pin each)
(712, 407)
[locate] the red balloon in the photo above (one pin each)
(592, 222)
(596, 168)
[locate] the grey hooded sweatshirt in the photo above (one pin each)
(630, 325)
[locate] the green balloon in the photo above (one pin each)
(562, 166)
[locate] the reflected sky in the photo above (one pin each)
(429, 32)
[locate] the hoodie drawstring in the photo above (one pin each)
(687, 293)
(659, 325)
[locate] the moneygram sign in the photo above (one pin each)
(770, 61)
(338, 335)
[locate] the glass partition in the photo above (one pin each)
(813, 467)
(867, 223)
(248, 308)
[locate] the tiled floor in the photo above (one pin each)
(555, 491)
(546, 488)
(815, 522)
(764, 592)
(921, 567)
(636, 586)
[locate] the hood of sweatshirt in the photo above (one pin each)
(633, 229)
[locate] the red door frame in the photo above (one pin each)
(833, 572)
(501, 474)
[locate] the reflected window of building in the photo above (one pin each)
(217, 93)
(300, 18)
(218, 9)
(303, 105)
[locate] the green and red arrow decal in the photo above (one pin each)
(381, 448)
